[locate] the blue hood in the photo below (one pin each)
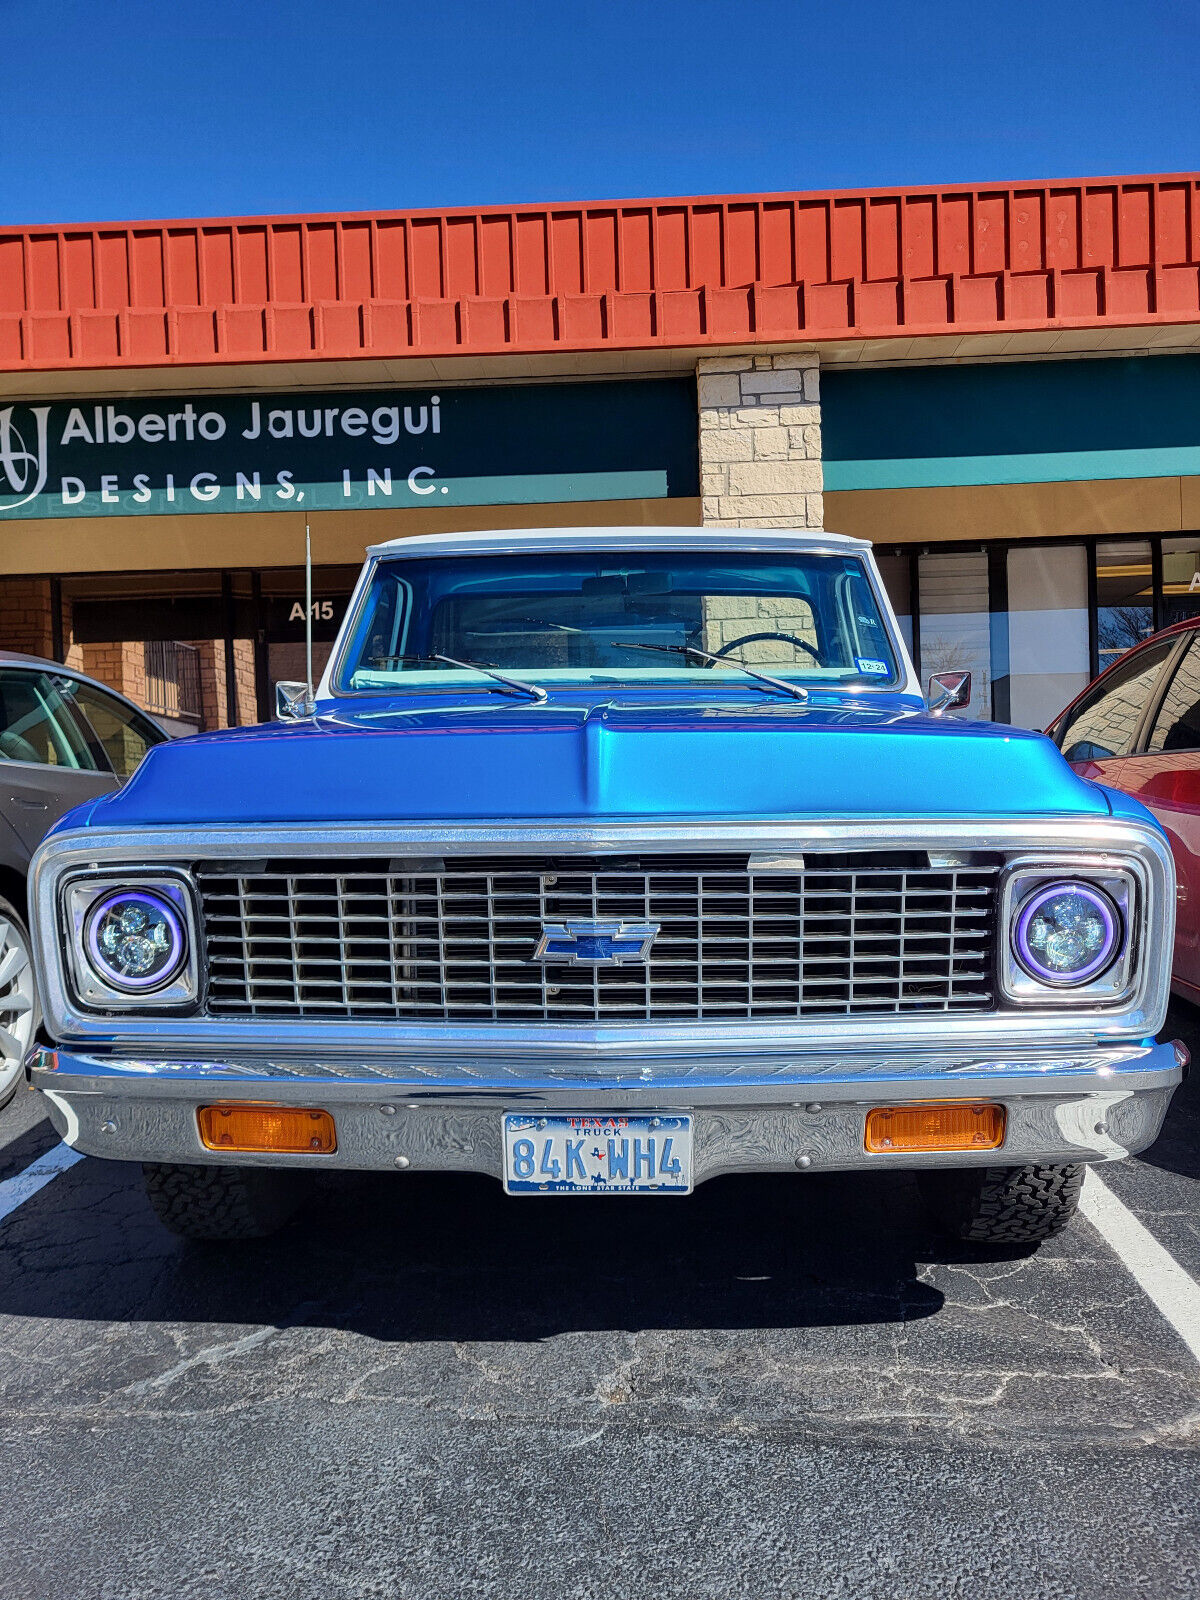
(630, 756)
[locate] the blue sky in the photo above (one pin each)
(124, 109)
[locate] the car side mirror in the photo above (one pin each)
(948, 691)
(292, 703)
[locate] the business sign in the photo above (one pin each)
(501, 445)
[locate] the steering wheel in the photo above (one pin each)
(752, 638)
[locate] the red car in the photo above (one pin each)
(1137, 728)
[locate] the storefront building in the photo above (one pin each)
(1000, 387)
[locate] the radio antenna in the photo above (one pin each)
(308, 677)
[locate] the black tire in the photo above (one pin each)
(1002, 1205)
(220, 1202)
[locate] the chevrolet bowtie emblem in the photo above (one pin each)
(596, 944)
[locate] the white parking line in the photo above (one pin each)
(1153, 1268)
(15, 1191)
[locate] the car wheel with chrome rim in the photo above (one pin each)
(19, 1009)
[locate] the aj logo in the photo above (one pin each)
(22, 469)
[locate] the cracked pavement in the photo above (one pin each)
(781, 1386)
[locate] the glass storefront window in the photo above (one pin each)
(956, 623)
(1180, 578)
(1028, 659)
(895, 572)
(1124, 597)
(1044, 646)
(1048, 647)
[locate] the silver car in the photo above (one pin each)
(63, 739)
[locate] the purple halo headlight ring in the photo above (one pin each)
(1067, 934)
(135, 940)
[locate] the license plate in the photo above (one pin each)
(584, 1154)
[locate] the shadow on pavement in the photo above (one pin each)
(440, 1257)
(432, 1257)
(23, 1149)
(1177, 1148)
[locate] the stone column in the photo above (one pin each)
(760, 440)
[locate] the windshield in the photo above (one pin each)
(615, 617)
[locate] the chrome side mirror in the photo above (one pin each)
(292, 703)
(948, 691)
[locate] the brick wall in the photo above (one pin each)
(27, 625)
(243, 667)
(760, 441)
(212, 681)
(122, 666)
(26, 616)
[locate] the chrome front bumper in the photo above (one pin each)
(756, 1115)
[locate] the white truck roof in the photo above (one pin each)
(636, 537)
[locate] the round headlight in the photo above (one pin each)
(135, 939)
(1067, 933)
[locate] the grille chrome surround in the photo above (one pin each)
(454, 941)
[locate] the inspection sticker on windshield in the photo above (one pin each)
(877, 669)
(597, 1154)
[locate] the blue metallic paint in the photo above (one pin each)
(645, 752)
(692, 757)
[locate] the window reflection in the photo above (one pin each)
(1181, 578)
(956, 623)
(1107, 722)
(1124, 597)
(1177, 725)
(895, 572)
(1049, 652)
(1040, 646)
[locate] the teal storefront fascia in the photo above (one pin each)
(512, 444)
(1011, 422)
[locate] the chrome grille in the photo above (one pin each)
(453, 940)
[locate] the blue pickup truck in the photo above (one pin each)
(605, 862)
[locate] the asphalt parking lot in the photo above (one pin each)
(780, 1386)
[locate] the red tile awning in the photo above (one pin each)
(872, 264)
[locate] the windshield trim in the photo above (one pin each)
(335, 684)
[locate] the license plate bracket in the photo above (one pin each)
(594, 1153)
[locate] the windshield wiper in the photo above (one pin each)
(794, 689)
(515, 684)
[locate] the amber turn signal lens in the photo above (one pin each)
(939, 1127)
(295, 1130)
